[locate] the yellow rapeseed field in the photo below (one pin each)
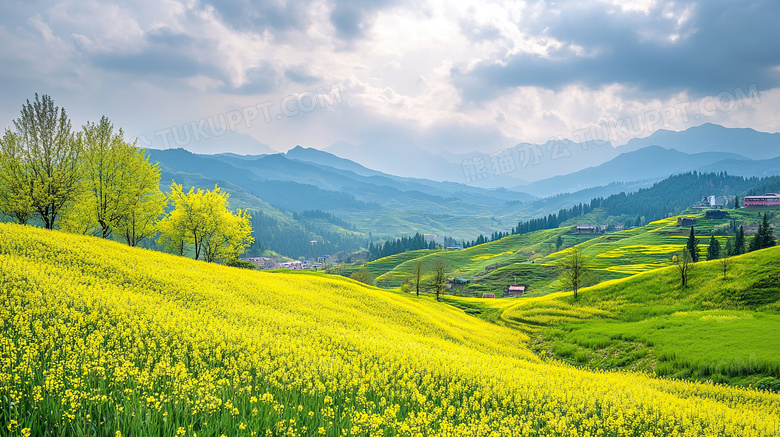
(98, 339)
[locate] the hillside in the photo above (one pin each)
(385, 205)
(101, 339)
(722, 329)
(388, 206)
(531, 259)
(286, 233)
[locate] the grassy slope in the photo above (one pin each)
(721, 329)
(613, 255)
(475, 262)
(98, 338)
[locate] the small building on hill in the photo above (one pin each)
(716, 214)
(686, 221)
(515, 291)
(584, 228)
(718, 202)
(768, 199)
(488, 295)
(261, 262)
(292, 265)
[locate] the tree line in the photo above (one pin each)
(400, 245)
(94, 182)
(552, 221)
(669, 196)
(686, 259)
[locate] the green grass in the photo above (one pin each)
(476, 263)
(531, 259)
(715, 344)
(716, 328)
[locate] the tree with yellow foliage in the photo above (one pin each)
(120, 188)
(202, 222)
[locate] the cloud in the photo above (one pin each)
(259, 16)
(259, 80)
(352, 18)
(698, 47)
(166, 53)
(447, 76)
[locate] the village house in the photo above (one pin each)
(261, 262)
(686, 221)
(716, 214)
(292, 265)
(715, 201)
(515, 290)
(768, 199)
(585, 228)
(488, 295)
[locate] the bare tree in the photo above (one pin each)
(417, 276)
(438, 277)
(725, 263)
(574, 270)
(684, 264)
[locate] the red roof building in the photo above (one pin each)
(768, 199)
(515, 290)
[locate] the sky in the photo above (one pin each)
(448, 77)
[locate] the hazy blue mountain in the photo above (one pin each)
(648, 164)
(316, 156)
(742, 167)
(710, 137)
(531, 161)
(380, 203)
(399, 158)
(229, 142)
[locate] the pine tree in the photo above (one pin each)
(739, 242)
(728, 250)
(692, 246)
(713, 250)
(764, 237)
(736, 202)
(769, 237)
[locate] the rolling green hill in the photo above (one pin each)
(724, 329)
(531, 259)
(104, 340)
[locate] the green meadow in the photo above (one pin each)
(532, 259)
(721, 329)
(636, 315)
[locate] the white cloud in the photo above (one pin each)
(162, 63)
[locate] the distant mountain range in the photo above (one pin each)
(309, 179)
(557, 157)
(386, 204)
(531, 161)
(710, 137)
(651, 164)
